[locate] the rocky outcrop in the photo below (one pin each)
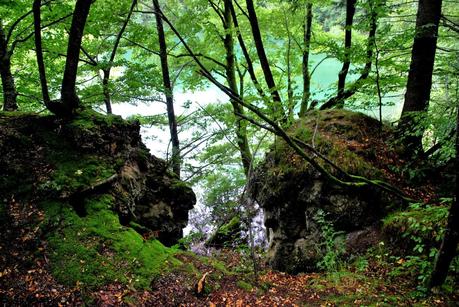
(227, 235)
(303, 211)
(44, 158)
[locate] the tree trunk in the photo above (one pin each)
(350, 11)
(290, 102)
(106, 71)
(307, 46)
(241, 125)
(277, 107)
(338, 100)
(8, 86)
(168, 90)
(248, 60)
(420, 74)
(39, 52)
(69, 97)
(450, 241)
(106, 90)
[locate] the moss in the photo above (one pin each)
(233, 224)
(76, 172)
(332, 133)
(96, 250)
(88, 119)
(228, 234)
(244, 285)
(178, 184)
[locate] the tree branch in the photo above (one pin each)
(354, 180)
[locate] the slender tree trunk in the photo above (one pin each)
(450, 241)
(307, 46)
(8, 86)
(420, 74)
(106, 72)
(350, 11)
(290, 102)
(277, 107)
(168, 90)
(241, 125)
(39, 52)
(338, 100)
(106, 90)
(248, 60)
(69, 97)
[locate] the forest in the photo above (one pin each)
(229, 152)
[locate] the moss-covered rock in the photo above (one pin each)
(96, 250)
(92, 177)
(299, 202)
(227, 235)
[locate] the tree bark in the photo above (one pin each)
(290, 102)
(39, 52)
(8, 86)
(248, 60)
(371, 44)
(450, 241)
(241, 125)
(106, 90)
(168, 90)
(350, 11)
(106, 71)
(277, 107)
(305, 70)
(420, 74)
(69, 97)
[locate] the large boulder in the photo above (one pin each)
(44, 158)
(303, 210)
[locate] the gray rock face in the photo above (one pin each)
(154, 198)
(299, 202)
(147, 192)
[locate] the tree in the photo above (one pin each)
(450, 240)
(9, 88)
(343, 93)
(350, 11)
(168, 90)
(277, 107)
(420, 74)
(107, 69)
(39, 53)
(305, 70)
(230, 70)
(69, 98)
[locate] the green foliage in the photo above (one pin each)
(361, 264)
(421, 224)
(192, 238)
(421, 227)
(333, 244)
(244, 285)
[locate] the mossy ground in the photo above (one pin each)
(96, 249)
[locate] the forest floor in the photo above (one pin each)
(25, 279)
